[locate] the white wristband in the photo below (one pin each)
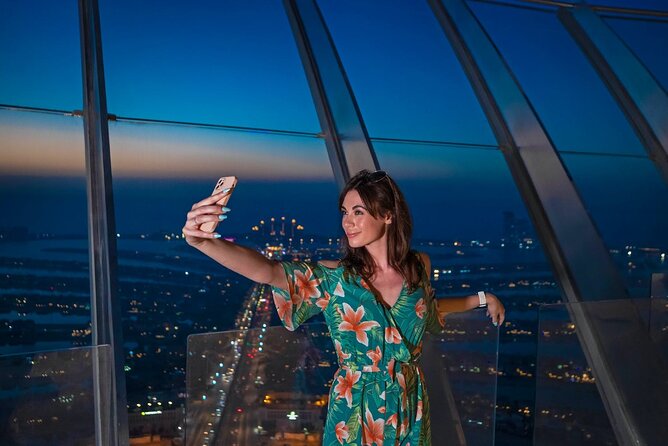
(483, 298)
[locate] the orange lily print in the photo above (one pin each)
(401, 379)
(345, 386)
(341, 431)
(404, 427)
(352, 321)
(392, 420)
(390, 367)
(375, 356)
(284, 309)
(323, 301)
(306, 286)
(420, 308)
(373, 430)
(340, 353)
(392, 335)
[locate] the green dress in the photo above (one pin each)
(378, 395)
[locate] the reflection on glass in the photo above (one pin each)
(45, 295)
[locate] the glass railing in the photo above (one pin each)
(569, 406)
(49, 398)
(267, 385)
(461, 369)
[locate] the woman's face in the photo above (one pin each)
(360, 226)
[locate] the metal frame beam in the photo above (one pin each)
(572, 243)
(343, 128)
(639, 95)
(105, 307)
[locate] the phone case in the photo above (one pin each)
(223, 183)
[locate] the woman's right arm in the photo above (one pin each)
(247, 262)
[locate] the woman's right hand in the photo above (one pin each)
(202, 212)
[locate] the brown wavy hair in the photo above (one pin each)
(381, 195)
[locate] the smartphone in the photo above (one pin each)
(223, 183)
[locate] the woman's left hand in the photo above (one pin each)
(495, 309)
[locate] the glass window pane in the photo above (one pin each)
(648, 40)
(628, 200)
(40, 54)
(572, 102)
(403, 72)
(232, 63)
(171, 290)
(45, 297)
(50, 397)
(448, 187)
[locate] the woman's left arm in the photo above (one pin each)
(495, 308)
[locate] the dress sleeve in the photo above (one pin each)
(307, 294)
(435, 323)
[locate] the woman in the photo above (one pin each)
(377, 302)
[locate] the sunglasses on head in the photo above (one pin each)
(374, 177)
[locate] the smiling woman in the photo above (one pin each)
(377, 302)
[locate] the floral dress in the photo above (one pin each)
(378, 395)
